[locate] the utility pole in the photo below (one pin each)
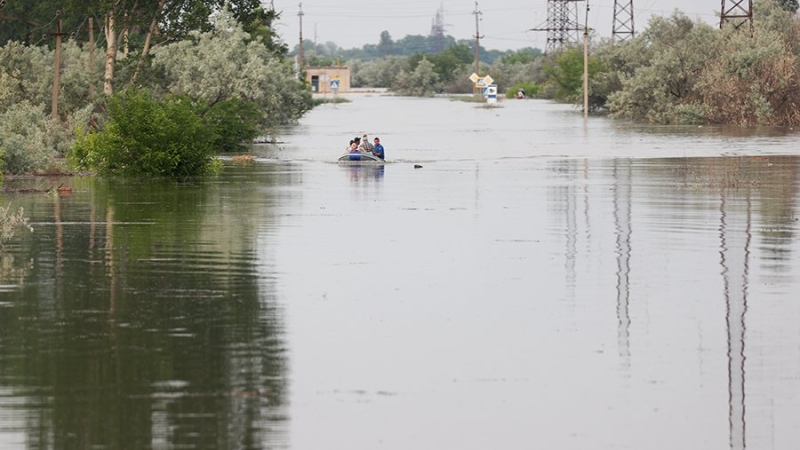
(300, 52)
(586, 63)
(56, 66)
(477, 40)
(91, 58)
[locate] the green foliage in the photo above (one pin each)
(385, 45)
(789, 5)
(508, 74)
(755, 80)
(376, 73)
(422, 82)
(232, 123)
(27, 139)
(566, 74)
(409, 45)
(225, 64)
(522, 56)
(531, 89)
(447, 65)
(259, 23)
(683, 72)
(148, 137)
(26, 74)
(658, 70)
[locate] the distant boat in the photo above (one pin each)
(359, 158)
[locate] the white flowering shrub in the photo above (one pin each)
(422, 82)
(27, 138)
(227, 64)
(10, 221)
(26, 74)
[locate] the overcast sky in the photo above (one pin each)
(504, 24)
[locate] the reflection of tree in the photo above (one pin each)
(735, 262)
(773, 181)
(742, 185)
(151, 328)
(11, 273)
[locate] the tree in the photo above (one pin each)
(789, 5)
(422, 82)
(124, 20)
(669, 56)
(523, 56)
(566, 74)
(226, 63)
(386, 45)
(26, 135)
(148, 137)
(754, 80)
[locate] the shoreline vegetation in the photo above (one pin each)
(164, 99)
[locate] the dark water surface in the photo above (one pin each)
(541, 282)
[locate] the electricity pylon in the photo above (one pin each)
(623, 20)
(562, 24)
(736, 13)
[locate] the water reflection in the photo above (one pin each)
(564, 200)
(148, 328)
(178, 316)
(365, 173)
(735, 262)
(622, 225)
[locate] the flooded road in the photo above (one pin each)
(540, 282)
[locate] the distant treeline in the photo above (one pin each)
(330, 53)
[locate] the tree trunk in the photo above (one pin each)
(148, 39)
(125, 41)
(111, 53)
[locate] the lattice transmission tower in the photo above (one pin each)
(623, 20)
(562, 24)
(736, 13)
(438, 40)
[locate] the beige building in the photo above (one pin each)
(321, 78)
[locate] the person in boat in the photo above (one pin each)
(521, 93)
(377, 149)
(353, 147)
(366, 146)
(357, 143)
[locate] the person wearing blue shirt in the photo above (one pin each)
(378, 150)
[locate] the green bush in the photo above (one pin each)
(147, 137)
(233, 122)
(421, 82)
(26, 139)
(531, 89)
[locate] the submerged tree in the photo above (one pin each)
(148, 137)
(660, 88)
(226, 64)
(421, 82)
(683, 72)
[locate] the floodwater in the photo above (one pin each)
(541, 281)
